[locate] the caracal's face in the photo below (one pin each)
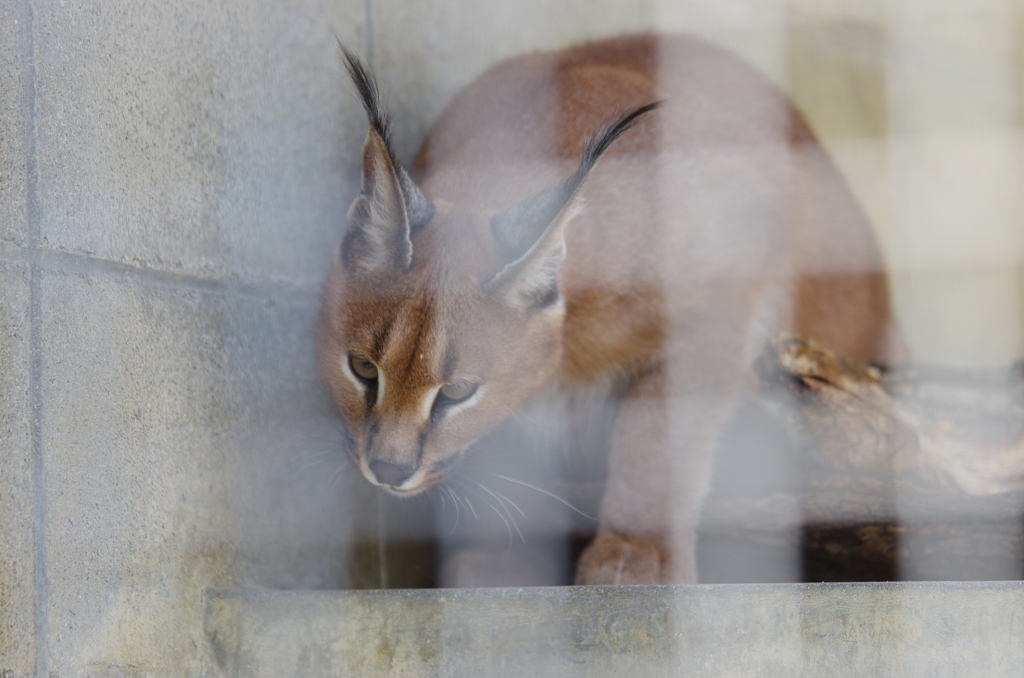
(423, 362)
(438, 320)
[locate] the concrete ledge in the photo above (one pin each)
(905, 630)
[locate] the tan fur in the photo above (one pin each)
(713, 224)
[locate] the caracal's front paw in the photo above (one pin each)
(613, 559)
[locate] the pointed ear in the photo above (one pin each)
(417, 207)
(531, 281)
(532, 234)
(390, 207)
(378, 226)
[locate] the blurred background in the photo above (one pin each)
(173, 178)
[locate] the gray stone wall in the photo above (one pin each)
(174, 177)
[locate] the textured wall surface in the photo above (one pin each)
(174, 175)
(18, 629)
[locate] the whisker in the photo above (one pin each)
(543, 491)
(521, 537)
(317, 458)
(337, 477)
(334, 475)
(455, 503)
(516, 507)
(468, 502)
(507, 528)
(479, 461)
(457, 511)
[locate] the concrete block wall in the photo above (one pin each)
(17, 462)
(174, 177)
(174, 174)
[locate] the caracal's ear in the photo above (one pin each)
(532, 234)
(390, 207)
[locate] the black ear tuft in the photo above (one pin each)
(609, 133)
(419, 209)
(369, 95)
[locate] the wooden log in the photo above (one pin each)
(962, 429)
(913, 473)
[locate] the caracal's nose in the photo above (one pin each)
(391, 474)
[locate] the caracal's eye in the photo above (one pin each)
(459, 390)
(363, 368)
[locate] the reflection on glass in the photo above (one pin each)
(560, 337)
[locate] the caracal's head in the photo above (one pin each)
(437, 321)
